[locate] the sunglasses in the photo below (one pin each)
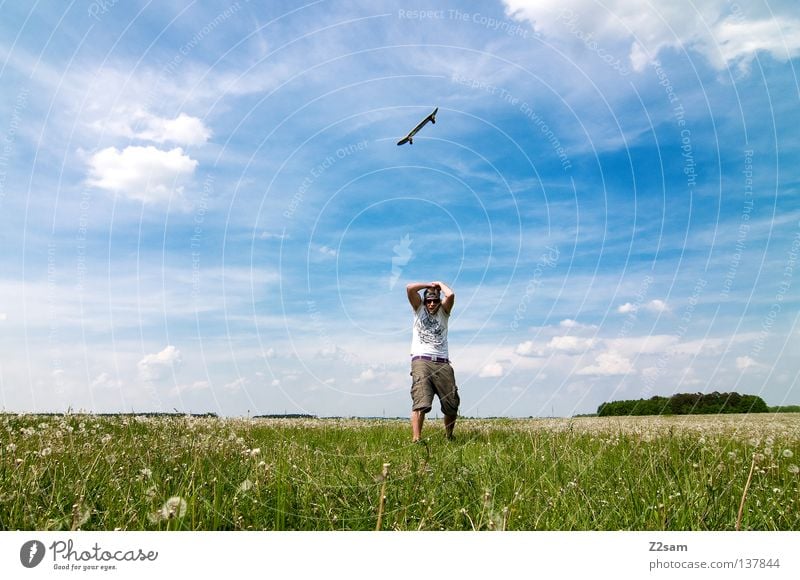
(432, 301)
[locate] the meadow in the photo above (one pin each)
(70, 472)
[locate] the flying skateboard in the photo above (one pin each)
(410, 137)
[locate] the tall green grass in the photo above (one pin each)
(104, 473)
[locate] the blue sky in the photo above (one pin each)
(203, 208)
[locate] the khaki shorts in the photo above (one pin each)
(430, 378)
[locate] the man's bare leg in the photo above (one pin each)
(449, 425)
(417, 419)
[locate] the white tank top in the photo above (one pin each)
(429, 336)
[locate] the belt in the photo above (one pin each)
(436, 359)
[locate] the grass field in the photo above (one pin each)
(182, 473)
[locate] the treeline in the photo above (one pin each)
(785, 409)
(686, 404)
(285, 416)
(149, 414)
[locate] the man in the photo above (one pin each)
(430, 363)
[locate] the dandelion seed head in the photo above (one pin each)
(788, 453)
(174, 507)
(80, 515)
(794, 469)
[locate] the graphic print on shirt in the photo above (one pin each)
(430, 330)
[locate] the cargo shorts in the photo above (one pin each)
(430, 378)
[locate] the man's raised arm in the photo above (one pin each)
(449, 296)
(413, 293)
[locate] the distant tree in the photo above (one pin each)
(686, 404)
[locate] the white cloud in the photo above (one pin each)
(105, 381)
(745, 362)
(718, 29)
(492, 370)
(184, 130)
(139, 124)
(707, 346)
(739, 40)
(652, 306)
(527, 348)
(154, 367)
(326, 251)
(272, 236)
(657, 306)
(236, 385)
(608, 364)
(146, 174)
(369, 375)
(572, 344)
(574, 324)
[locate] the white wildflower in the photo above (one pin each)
(174, 507)
(80, 515)
(787, 453)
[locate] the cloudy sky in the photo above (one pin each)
(203, 207)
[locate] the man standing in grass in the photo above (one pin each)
(430, 363)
